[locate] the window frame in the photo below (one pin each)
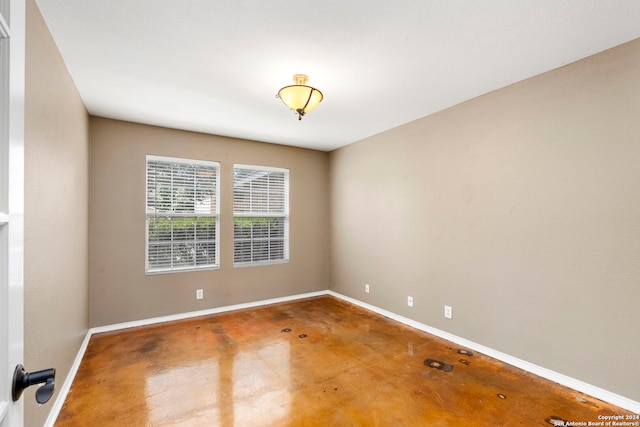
(285, 215)
(216, 215)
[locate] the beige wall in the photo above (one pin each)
(56, 265)
(520, 208)
(120, 290)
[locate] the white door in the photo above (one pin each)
(12, 45)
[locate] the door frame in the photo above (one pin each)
(12, 78)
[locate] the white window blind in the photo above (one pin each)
(182, 214)
(260, 215)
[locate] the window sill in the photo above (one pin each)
(259, 263)
(180, 270)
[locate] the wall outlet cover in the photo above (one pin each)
(448, 312)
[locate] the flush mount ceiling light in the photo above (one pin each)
(300, 97)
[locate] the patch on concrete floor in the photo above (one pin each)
(587, 402)
(436, 364)
(286, 330)
(556, 421)
(281, 315)
(150, 345)
(218, 329)
(465, 352)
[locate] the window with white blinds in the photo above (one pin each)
(260, 215)
(182, 214)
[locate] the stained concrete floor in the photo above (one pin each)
(312, 362)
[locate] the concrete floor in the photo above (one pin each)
(312, 362)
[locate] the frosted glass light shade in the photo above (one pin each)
(299, 97)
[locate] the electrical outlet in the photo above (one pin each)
(448, 312)
(199, 294)
(410, 301)
(366, 288)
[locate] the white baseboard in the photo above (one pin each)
(63, 391)
(191, 314)
(581, 386)
(597, 392)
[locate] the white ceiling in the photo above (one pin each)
(214, 66)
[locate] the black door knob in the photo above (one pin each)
(23, 379)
